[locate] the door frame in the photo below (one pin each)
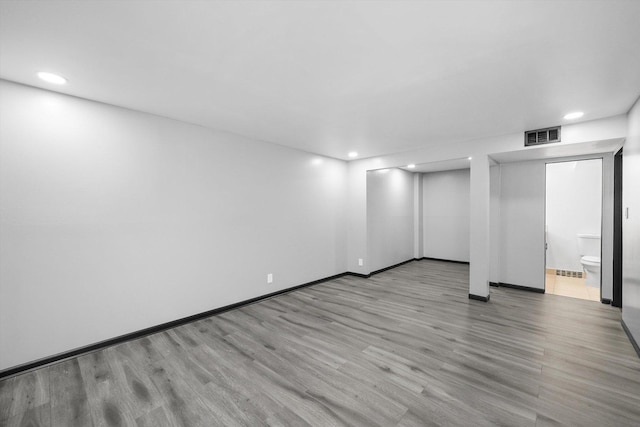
(616, 301)
(602, 190)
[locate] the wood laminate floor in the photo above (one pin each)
(403, 348)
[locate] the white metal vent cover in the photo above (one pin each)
(542, 136)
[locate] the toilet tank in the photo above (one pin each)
(589, 244)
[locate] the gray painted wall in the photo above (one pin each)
(113, 221)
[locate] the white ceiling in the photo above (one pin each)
(331, 77)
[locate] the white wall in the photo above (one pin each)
(446, 214)
(479, 226)
(112, 221)
(495, 225)
(418, 222)
(631, 225)
(522, 216)
(573, 206)
(390, 221)
(357, 241)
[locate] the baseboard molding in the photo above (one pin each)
(366, 276)
(606, 301)
(15, 370)
(392, 266)
(442, 259)
(494, 284)
(479, 298)
(631, 338)
(363, 276)
(522, 288)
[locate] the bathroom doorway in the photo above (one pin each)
(573, 224)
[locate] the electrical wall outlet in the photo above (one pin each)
(270, 278)
(360, 262)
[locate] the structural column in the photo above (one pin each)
(418, 243)
(479, 228)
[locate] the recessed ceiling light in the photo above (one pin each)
(574, 115)
(469, 158)
(411, 166)
(353, 154)
(52, 78)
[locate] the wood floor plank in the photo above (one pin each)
(156, 417)
(38, 416)
(184, 407)
(69, 401)
(23, 393)
(8, 393)
(321, 379)
(106, 397)
(230, 379)
(138, 391)
(405, 347)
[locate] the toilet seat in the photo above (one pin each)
(590, 260)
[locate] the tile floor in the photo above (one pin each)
(571, 287)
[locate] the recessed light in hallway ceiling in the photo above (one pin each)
(574, 115)
(52, 78)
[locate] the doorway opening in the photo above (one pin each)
(573, 229)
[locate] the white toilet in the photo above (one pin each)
(589, 249)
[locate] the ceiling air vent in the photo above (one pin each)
(542, 136)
